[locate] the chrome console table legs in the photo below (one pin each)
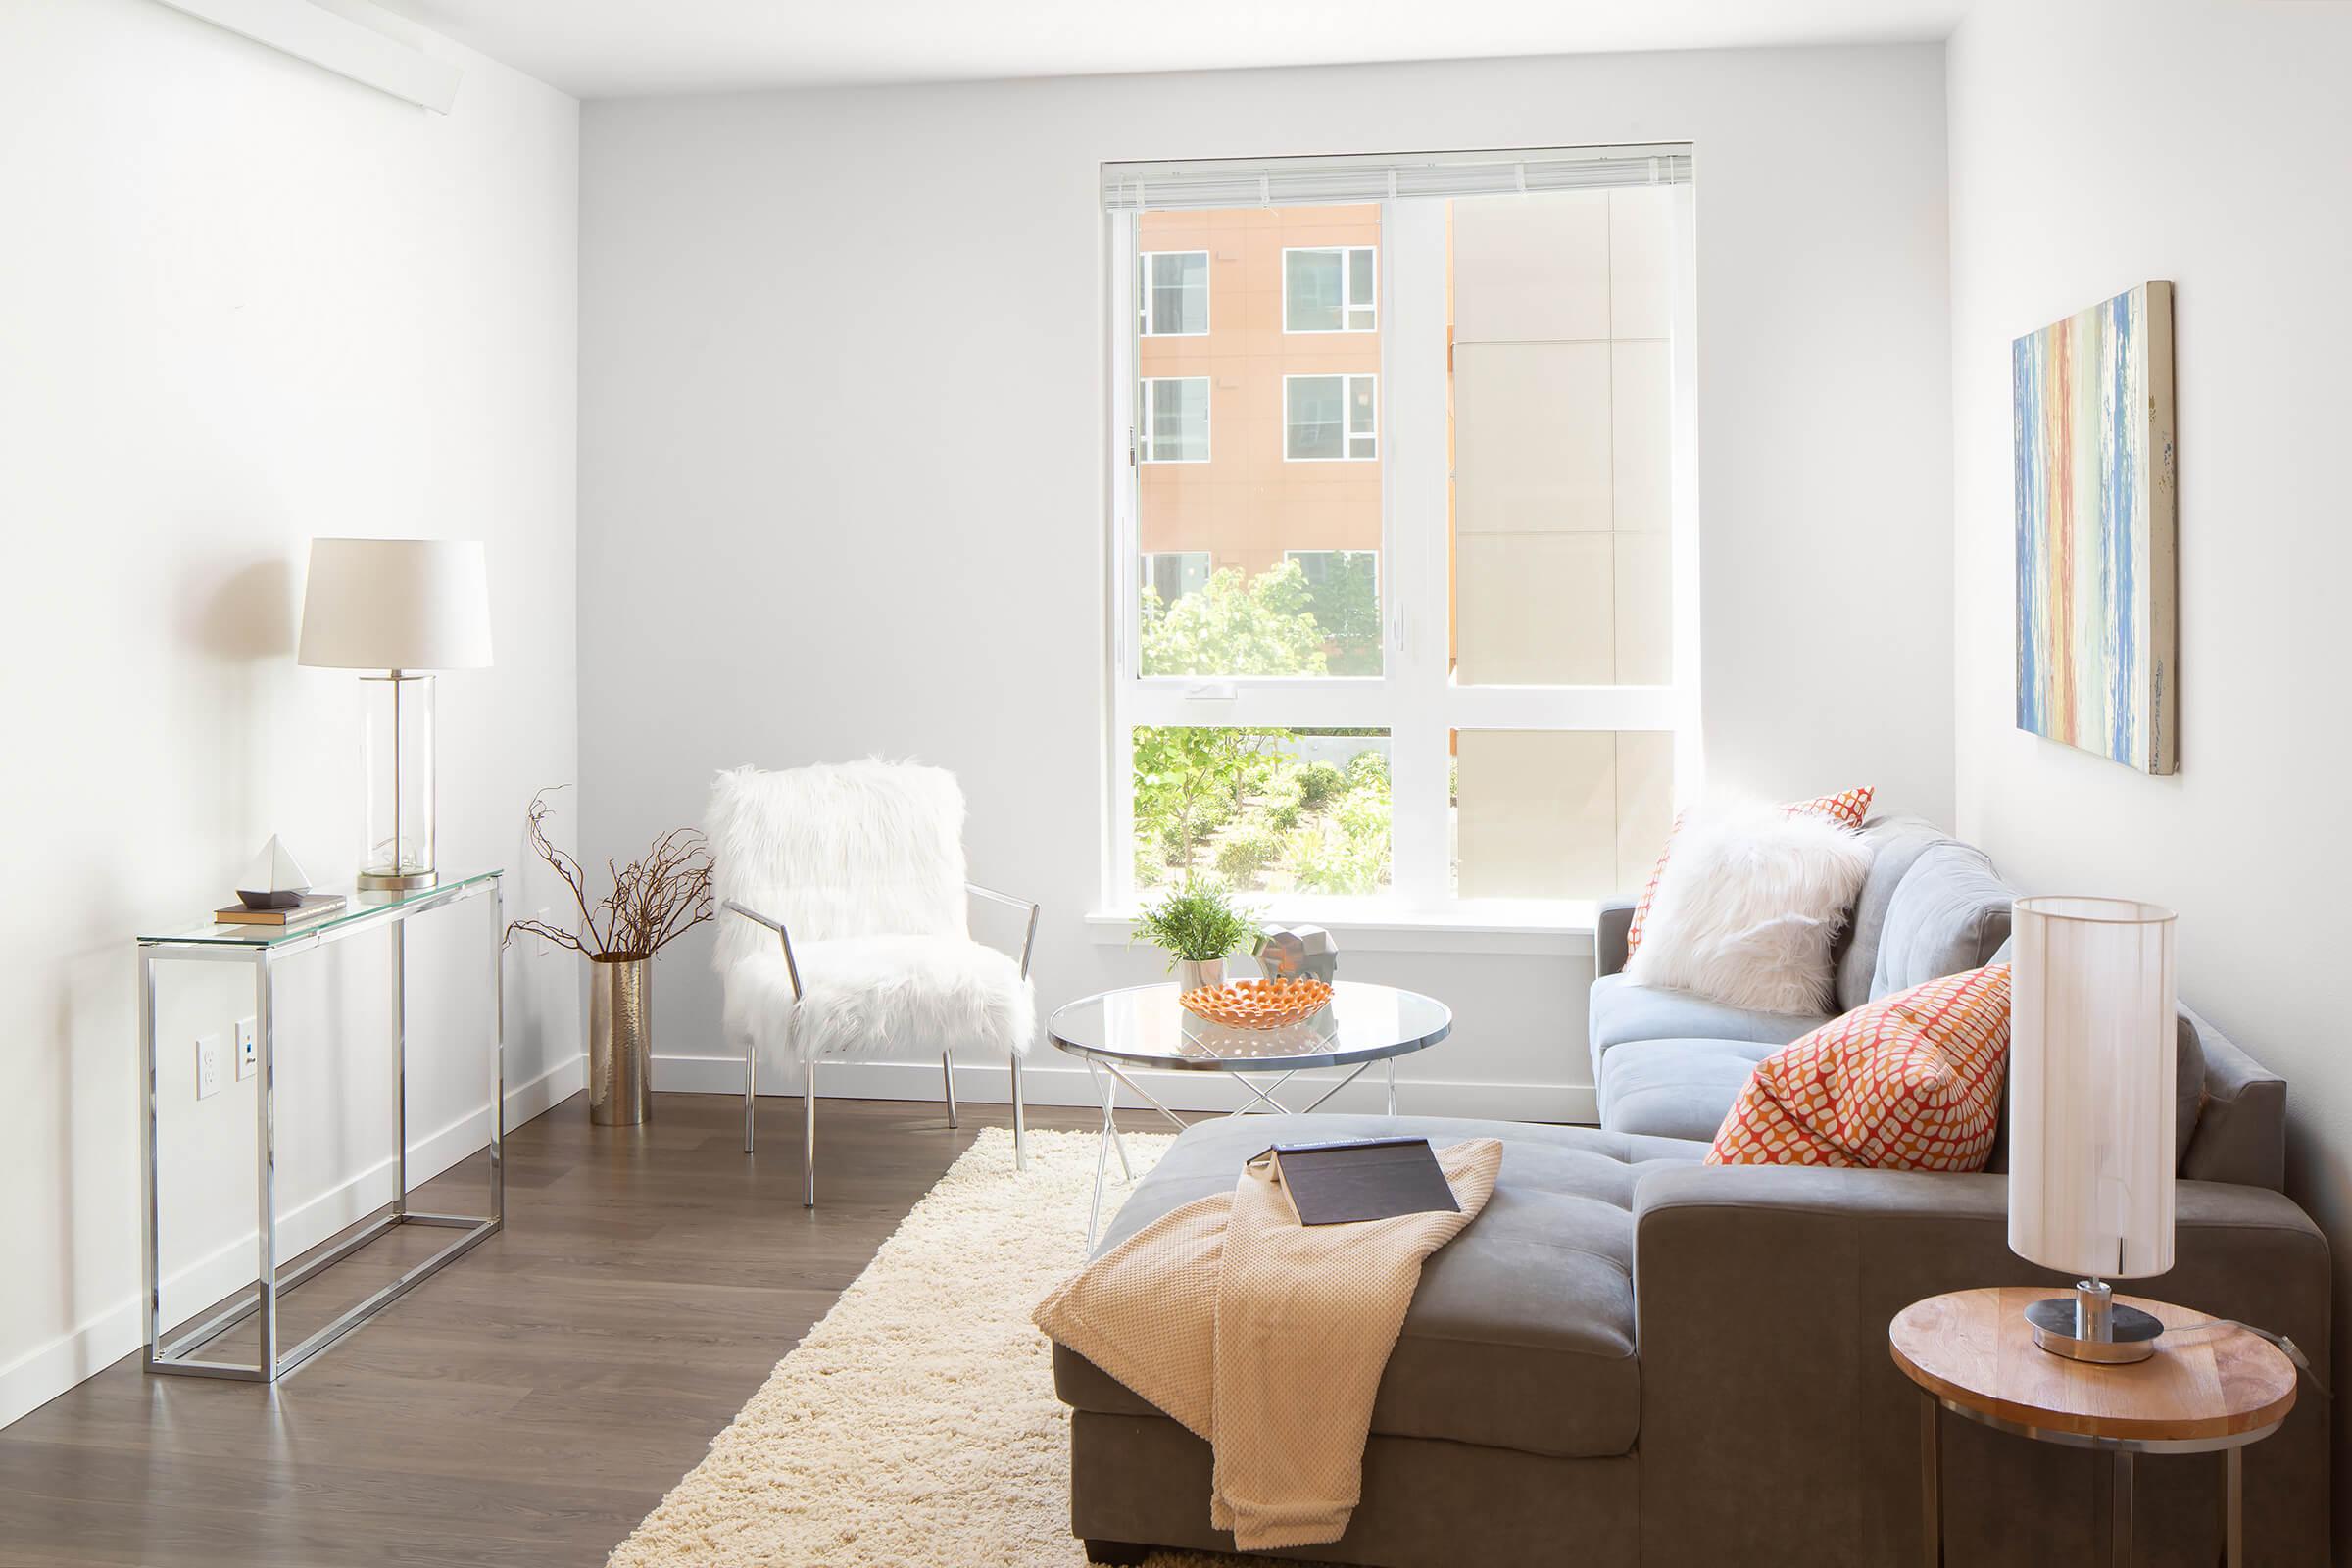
(175, 1353)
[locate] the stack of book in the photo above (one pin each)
(307, 908)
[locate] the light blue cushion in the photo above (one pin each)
(1622, 1012)
(1676, 1087)
(1949, 914)
(1895, 842)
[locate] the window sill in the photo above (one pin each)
(1547, 927)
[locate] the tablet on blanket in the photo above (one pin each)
(1370, 1177)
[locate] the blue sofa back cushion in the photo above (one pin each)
(1950, 913)
(1896, 842)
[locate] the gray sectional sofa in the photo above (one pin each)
(1635, 1358)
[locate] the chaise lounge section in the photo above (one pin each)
(1636, 1358)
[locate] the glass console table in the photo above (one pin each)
(262, 948)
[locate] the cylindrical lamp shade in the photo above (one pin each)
(2093, 1062)
(396, 604)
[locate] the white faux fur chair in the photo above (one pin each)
(842, 929)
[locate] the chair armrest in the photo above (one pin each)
(1762, 1298)
(791, 965)
(1029, 936)
(1609, 934)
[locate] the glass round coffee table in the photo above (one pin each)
(1144, 1027)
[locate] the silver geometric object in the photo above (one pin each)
(272, 881)
(1296, 952)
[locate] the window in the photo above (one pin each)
(1538, 811)
(1237, 503)
(1173, 298)
(1415, 642)
(1175, 420)
(1343, 589)
(1328, 289)
(1262, 809)
(1173, 574)
(1330, 418)
(1322, 567)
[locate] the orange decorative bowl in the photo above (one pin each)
(1258, 1003)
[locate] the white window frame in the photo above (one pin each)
(1142, 306)
(1349, 436)
(1414, 698)
(1142, 428)
(1346, 255)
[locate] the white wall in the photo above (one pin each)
(841, 472)
(2094, 145)
(243, 302)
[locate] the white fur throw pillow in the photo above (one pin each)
(1749, 907)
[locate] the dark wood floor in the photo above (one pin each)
(529, 1404)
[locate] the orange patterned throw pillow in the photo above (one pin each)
(1846, 809)
(1910, 1082)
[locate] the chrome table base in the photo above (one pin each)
(2112, 1500)
(1107, 1077)
(271, 1280)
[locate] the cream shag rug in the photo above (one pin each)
(915, 1426)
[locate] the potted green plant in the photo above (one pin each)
(1197, 925)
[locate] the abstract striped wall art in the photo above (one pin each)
(2093, 404)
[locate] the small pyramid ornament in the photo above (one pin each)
(272, 881)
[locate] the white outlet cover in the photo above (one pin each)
(208, 1067)
(248, 1050)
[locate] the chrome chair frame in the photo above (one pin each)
(947, 1057)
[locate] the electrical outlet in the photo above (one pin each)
(208, 1067)
(249, 1053)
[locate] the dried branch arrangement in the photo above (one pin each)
(654, 902)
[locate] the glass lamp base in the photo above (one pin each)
(396, 757)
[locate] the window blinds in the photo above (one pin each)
(1378, 177)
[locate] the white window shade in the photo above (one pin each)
(1381, 176)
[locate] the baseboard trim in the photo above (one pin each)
(1060, 1081)
(40, 1375)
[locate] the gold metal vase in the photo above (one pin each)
(620, 1040)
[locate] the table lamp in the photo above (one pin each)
(399, 607)
(2092, 1059)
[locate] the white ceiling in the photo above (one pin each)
(617, 48)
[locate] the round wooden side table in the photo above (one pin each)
(2207, 1389)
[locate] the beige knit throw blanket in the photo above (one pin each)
(1265, 1337)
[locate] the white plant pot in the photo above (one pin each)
(1190, 976)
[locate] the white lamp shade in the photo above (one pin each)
(2094, 1056)
(396, 604)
